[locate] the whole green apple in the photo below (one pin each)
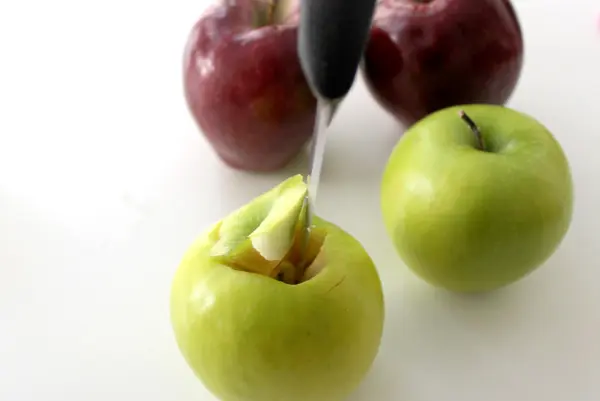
(261, 312)
(476, 197)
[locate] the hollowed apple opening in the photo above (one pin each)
(303, 261)
(268, 236)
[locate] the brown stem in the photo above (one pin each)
(269, 12)
(474, 128)
(272, 10)
(283, 10)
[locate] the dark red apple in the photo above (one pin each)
(425, 55)
(244, 85)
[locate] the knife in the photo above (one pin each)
(332, 37)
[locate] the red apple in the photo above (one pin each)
(426, 55)
(244, 85)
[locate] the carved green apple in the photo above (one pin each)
(260, 314)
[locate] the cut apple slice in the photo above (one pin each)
(274, 237)
(258, 236)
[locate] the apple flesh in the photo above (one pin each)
(262, 314)
(426, 55)
(472, 220)
(244, 85)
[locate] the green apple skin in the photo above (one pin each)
(249, 337)
(473, 221)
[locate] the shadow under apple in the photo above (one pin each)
(435, 336)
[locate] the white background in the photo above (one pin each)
(105, 181)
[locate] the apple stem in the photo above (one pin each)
(474, 128)
(269, 12)
(280, 10)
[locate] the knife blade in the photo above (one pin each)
(332, 37)
(324, 115)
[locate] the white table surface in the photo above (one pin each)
(105, 181)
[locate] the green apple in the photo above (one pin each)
(263, 313)
(476, 197)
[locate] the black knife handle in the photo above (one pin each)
(331, 40)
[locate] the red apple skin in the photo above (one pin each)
(245, 88)
(424, 56)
